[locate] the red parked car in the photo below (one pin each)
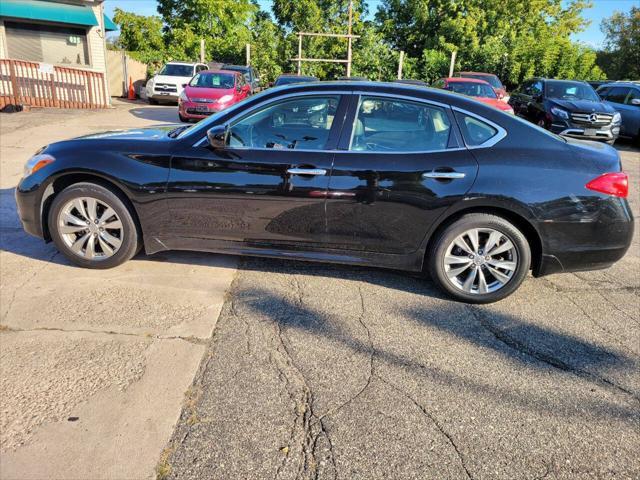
(209, 92)
(471, 87)
(491, 79)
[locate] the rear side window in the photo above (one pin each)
(633, 95)
(390, 125)
(475, 131)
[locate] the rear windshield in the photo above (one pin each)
(177, 70)
(571, 91)
(472, 89)
(212, 80)
(491, 79)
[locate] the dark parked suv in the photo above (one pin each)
(568, 108)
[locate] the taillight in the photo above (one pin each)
(614, 183)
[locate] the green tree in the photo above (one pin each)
(224, 25)
(141, 36)
(620, 58)
(267, 48)
(512, 38)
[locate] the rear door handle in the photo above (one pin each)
(444, 175)
(307, 171)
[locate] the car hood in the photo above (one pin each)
(209, 93)
(582, 105)
(494, 102)
(150, 133)
(171, 79)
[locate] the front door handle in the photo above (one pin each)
(307, 171)
(444, 175)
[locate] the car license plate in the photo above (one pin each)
(202, 108)
(163, 93)
(590, 132)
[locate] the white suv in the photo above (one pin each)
(167, 83)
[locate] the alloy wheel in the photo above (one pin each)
(480, 261)
(90, 228)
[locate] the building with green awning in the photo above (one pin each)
(69, 34)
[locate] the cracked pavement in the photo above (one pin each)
(85, 354)
(331, 372)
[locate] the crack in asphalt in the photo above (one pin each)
(518, 346)
(433, 420)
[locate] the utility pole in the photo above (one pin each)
(400, 64)
(299, 54)
(453, 63)
(349, 39)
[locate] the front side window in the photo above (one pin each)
(302, 123)
(634, 94)
(390, 125)
(475, 131)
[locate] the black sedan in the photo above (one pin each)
(365, 173)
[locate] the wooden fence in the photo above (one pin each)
(30, 83)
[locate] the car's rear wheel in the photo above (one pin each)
(92, 226)
(479, 258)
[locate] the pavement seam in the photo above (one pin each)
(190, 339)
(520, 347)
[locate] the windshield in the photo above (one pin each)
(212, 80)
(490, 79)
(172, 70)
(571, 91)
(472, 89)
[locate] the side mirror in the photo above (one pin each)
(218, 137)
(184, 85)
(635, 101)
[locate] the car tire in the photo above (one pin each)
(502, 272)
(93, 226)
(183, 119)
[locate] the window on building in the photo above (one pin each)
(47, 43)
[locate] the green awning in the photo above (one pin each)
(109, 26)
(50, 12)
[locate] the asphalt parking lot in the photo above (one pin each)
(208, 367)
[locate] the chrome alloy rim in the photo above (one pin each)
(480, 261)
(90, 228)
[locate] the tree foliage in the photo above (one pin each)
(620, 58)
(513, 38)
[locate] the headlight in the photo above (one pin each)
(560, 113)
(36, 162)
(617, 118)
(225, 98)
(150, 84)
(183, 96)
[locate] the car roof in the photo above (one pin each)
(191, 64)
(221, 70)
(465, 80)
(625, 83)
(478, 73)
(295, 75)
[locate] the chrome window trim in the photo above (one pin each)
(502, 133)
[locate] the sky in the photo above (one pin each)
(592, 35)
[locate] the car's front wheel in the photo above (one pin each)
(479, 258)
(92, 226)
